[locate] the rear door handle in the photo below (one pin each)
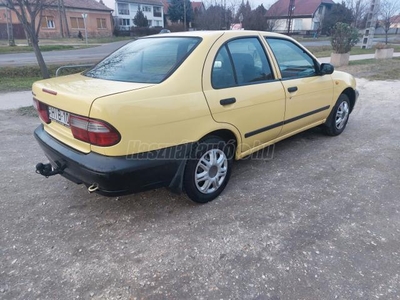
(227, 101)
(292, 89)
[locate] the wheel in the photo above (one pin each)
(339, 116)
(208, 169)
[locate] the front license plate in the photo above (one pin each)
(59, 116)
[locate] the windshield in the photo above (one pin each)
(149, 60)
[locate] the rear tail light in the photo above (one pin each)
(95, 132)
(43, 110)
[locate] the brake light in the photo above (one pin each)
(43, 110)
(95, 132)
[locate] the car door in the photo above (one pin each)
(308, 95)
(241, 89)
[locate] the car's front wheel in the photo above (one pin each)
(339, 117)
(208, 169)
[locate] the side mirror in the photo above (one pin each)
(326, 69)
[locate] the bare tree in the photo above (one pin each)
(29, 13)
(359, 9)
(387, 11)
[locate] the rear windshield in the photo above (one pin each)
(148, 60)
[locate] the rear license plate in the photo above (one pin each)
(59, 116)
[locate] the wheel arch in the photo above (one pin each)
(351, 93)
(225, 134)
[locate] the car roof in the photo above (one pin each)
(214, 34)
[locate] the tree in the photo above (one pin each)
(176, 11)
(338, 13)
(257, 20)
(215, 17)
(359, 9)
(387, 11)
(29, 13)
(245, 11)
(140, 20)
(344, 37)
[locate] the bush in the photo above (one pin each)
(344, 37)
(176, 27)
(144, 31)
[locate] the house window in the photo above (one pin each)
(123, 9)
(124, 22)
(101, 23)
(146, 8)
(48, 22)
(156, 11)
(149, 23)
(77, 23)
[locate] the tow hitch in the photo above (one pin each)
(48, 170)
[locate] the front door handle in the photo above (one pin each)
(227, 101)
(292, 89)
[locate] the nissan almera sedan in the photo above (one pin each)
(177, 109)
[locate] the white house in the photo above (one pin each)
(306, 14)
(125, 11)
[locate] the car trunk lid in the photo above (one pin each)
(74, 94)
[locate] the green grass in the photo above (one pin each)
(325, 51)
(21, 78)
(372, 69)
(105, 40)
(44, 48)
(17, 84)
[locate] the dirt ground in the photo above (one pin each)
(320, 220)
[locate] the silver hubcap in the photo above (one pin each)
(211, 171)
(342, 114)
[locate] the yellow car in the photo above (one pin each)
(176, 109)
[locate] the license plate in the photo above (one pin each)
(59, 116)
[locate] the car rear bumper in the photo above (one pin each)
(116, 175)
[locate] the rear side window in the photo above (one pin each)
(149, 60)
(240, 62)
(293, 61)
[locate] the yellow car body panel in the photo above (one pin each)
(185, 107)
(75, 94)
(252, 109)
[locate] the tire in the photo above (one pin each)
(339, 116)
(208, 169)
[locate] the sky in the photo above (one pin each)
(253, 3)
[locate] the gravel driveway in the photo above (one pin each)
(321, 220)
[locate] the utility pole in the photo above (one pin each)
(370, 25)
(290, 13)
(61, 18)
(184, 15)
(10, 33)
(65, 17)
(84, 16)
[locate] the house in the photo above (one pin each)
(395, 24)
(67, 19)
(306, 15)
(125, 11)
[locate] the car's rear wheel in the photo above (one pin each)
(208, 169)
(339, 117)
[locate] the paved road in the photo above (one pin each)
(321, 220)
(59, 57)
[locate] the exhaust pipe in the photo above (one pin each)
(94, 187)
(47, 170)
